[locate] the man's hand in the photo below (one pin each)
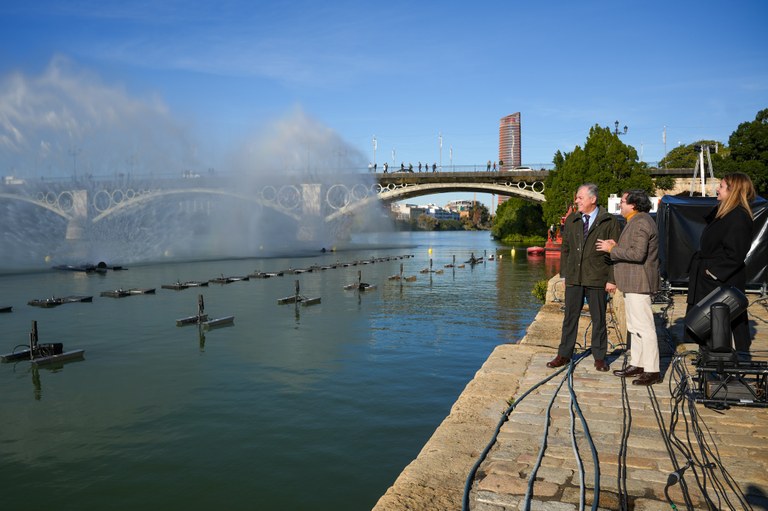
(610, 288)
(605, 245)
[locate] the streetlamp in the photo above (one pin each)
(450, 155)
(440, 137)
(616, 129)
(74, 152)
(375, 145)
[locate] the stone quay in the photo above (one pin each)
(633, 429)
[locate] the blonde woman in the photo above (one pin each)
(723, 249)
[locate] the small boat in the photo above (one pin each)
(78, 299)
(177, 286)
(142, 291)
(228, 280)
(195, 283)
(298, 298)
(535, 251)
(218, 322)
(41, 354)
(115, 293)
(192, 320)
(412, 278)
(120, 292)
(7, 308)
(474, 260)
(46, 303)
(198, 318)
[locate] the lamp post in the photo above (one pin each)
(375, 146)
(440, 137)
(74, 152)
(616, 129)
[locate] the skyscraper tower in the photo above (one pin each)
(509, 141)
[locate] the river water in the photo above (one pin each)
(316, 408)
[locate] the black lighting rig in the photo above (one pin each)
(722, 379)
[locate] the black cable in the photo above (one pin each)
(667, 443)
(486, 450)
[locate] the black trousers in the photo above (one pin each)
(574, 302)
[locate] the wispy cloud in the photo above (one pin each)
(46, 120)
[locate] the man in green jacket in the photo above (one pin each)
(587, 273)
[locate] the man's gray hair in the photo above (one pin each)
(591, 189)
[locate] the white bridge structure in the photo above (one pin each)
(306, 199)
(88, 202)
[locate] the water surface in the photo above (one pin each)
(291, 408)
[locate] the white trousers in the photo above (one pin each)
(645, 345)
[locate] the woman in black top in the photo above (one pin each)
(723, 249)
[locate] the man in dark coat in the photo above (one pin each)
(587, 273)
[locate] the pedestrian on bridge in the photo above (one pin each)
(434, 167)
(488, 167)
(419, 166)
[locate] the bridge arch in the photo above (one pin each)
(141, 199)
(50, 206)
(531, 192)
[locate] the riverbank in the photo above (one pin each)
(631, 445)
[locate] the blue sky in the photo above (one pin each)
(175, 85)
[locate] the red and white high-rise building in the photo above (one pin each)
(509, 141)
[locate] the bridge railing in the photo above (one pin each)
(189, 177)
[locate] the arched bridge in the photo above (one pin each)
(298, 196)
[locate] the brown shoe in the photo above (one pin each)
(558, 361)
(601, 365)
(648, 379)
(628, 371)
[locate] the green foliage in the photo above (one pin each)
(518, 217)
(426, 222)
(479, 215)
(665, 183)
(685, 156)
(450, 225)
(749, 151)
(605, 160)
(540, 290)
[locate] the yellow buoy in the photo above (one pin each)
(430, 251)
(513, 251)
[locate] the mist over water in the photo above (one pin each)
(66, 130)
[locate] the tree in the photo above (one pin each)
(426, 222)
(686, 156)
(749, 152)
(479, 216)
(605, 160)
(518, 217)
